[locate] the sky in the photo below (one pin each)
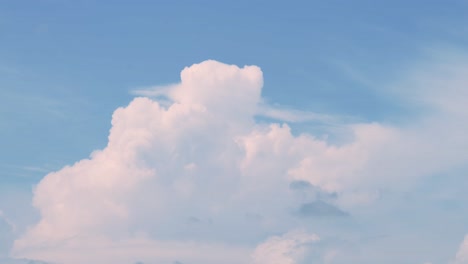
(237, 132)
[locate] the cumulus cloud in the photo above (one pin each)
(194, 151)
(160, 164)
(289, 248)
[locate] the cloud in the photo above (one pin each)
(300, 185)
(195, 151)
(292, 115)
(170, 93)
(160, 164)
(289, 248)
(462, 254)
(320, 209)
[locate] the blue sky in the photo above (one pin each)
(79, 60)
(380, 83)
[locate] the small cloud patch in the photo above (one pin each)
(320, 209)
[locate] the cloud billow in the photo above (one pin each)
(200, 155)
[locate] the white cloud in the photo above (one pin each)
(462, 254)
(204, 93)
(289, 248)
(200, 155)
(160, 167)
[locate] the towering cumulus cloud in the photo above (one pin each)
(189, 176)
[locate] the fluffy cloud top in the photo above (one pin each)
(197, 180)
